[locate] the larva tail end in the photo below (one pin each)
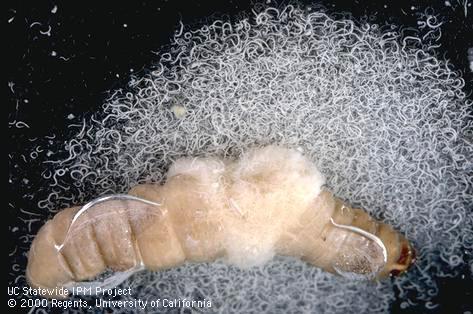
(45, 270)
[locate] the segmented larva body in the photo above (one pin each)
(271, 201)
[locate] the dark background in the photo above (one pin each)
(92, 48)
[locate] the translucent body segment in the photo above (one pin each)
(80, 248)
(338, 250)
(153, 230)
(113, 234)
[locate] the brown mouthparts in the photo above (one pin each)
(406, 259)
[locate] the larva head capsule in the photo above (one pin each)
(407, 258)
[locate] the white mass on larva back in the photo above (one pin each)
(385, 121)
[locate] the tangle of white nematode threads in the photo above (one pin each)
(383, 117)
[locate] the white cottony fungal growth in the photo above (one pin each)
(383, 118)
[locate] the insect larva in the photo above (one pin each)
(270, 201)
